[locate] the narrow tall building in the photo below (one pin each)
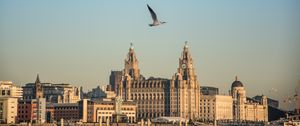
(38, 88)
(115, 79)
(185, 88)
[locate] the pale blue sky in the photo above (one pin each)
(80, 42)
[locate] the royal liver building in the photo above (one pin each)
(156, 97)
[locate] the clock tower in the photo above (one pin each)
(185, 88)
(131, 65)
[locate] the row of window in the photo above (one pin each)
(5, 92)
(147, 85)
(65, 108)
(147, 96)
(111, 108)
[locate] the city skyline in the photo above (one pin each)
(81, 42)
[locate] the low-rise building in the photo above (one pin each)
(9, 95)
(93, 110)
(67, 111)
(215, 107)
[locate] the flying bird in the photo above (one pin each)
(154, 18)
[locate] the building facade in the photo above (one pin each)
(246, 109)
(115, 79)
(32, 110)
(156, 97)
(93, 110)
(67, 111)
(56, 93)
(271, 102)
(185, 88)
(216, 107)
(9, 95)
(101, 92)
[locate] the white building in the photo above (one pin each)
(215, 107)
(9, 94)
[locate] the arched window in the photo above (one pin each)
(150, 97)
(143, 96)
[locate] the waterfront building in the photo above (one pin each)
(93, 110)
(246, 109)
(156, 97)
(216, 107)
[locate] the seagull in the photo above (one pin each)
(154, 18)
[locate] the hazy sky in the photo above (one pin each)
(80, 42)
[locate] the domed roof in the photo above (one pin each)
(237, 83)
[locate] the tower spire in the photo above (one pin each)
(236, 78)
(185, 44)
(131, 64)
(37, 79)
(131, 45)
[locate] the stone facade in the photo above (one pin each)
(156, 97)
(216, 107)
(246, 109)
(185, 88)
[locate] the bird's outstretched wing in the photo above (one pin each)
(154, 17)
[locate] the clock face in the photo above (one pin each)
(183, 66)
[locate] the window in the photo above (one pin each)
(3, 92)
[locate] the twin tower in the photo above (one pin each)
(156, 97)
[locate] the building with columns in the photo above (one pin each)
(247, 109)
(156, 97)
